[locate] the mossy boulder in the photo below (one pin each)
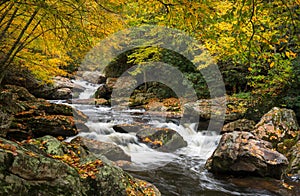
(162, 139)
(46, 166)
(280, 127)
(241, 154)
(109, 150)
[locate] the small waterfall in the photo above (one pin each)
(101, 120)
(89, 91)
(181, 172)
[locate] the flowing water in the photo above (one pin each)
(178, 173)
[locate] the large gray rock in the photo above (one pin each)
(280, 127)
(162, 139)
(128, 128)
(240, 153)
(94, 77)
(45, 166)
(109, 150)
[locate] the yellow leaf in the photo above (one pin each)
(290, 54)
(272, 64)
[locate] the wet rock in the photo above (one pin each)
(91, 76)
(61, 88)
(91, 101)
(109, 150)
(45, 166)
(128, 128)
(103, 92)
(239, 125)
(102, 79)
(162, 139)
(62, 93)
(205, 107)
(273, 186)
(279, 126)
(240, 153)
(55, 125)
(125, 84)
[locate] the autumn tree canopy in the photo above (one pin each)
(259, 36)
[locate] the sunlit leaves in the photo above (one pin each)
(45, 36)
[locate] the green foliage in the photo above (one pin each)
(255, 43)
(263, 37)
(242, 95)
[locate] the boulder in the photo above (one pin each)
(235, 109)
(102, 79)
(92, 77)
(162, 139)
(23, 77)
(103, 92)
(109, 150)
(32, 117)
(128, 128)
(239, 125)
(280, 127)
(60, 89)
(46, 166)
(240, 153)
(62, 93)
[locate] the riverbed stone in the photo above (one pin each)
(103, 92)
(239, 125)
(162, 139)
(109, 150)
(129, 128)
(240, 153)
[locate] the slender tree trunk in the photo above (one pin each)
(9, 57)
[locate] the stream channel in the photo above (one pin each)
(178, 173)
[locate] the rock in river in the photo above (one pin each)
(240, 153)
(109, 150)
(162, 139)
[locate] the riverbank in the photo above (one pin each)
(27, 119)
(34, 159)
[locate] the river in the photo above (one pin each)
(178, 173)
